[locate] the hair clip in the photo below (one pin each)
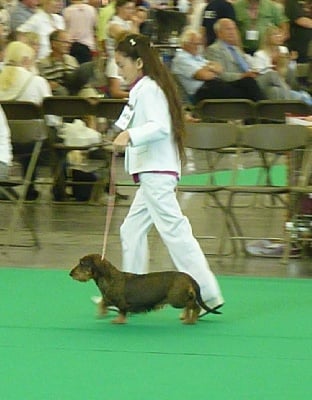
(132, 42)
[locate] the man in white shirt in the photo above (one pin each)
(201, 78)
(44, 22)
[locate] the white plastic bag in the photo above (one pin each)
(77, 133)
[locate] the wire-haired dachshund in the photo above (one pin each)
(134, 293)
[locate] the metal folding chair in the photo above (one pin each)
(210, 138)
(225, 110)
(299, 225)
(109, 108)
(267, 140)
(68, 108)
(274, 111)
(27, 129)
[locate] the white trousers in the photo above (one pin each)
(155, 203)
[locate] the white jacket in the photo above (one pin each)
(152, 147)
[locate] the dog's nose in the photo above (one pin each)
(71, 273)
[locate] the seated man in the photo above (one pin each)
(237, 65)
(62, 71)
(201, 78)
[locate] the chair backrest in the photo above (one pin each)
(223, 110)
(275, 137)
(21, 110)
(67, 106)
(109, 108)
(25, 120)
(275, 111)
(211, 136)
(27, 131)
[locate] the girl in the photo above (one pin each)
(152, 131)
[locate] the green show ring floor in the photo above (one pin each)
(53, 346)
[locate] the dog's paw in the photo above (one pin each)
(121, 319)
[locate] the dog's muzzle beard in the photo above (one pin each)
(79, 276)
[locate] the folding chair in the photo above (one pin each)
(225, 110)
(274, 111)
(27, 128)
(299, 225)
(267, 140)
(68, 108)
(109, 108)
(210, 138)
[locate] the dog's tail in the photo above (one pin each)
(200, 301)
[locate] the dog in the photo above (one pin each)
(134, 293)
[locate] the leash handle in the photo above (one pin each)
(110, 202)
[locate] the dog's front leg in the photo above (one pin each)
(121, 318)
(102, 308)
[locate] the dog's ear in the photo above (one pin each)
(96, 260)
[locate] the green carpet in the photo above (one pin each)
(53, 347)
(245, 176)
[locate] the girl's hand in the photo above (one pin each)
(121, 141)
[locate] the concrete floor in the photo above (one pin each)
(69, 231)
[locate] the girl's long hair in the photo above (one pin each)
(138, 46)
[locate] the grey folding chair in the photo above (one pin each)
(224, 110)
(68, 108)
(299, 225)
(29, 130)
(210, 138)
(274, 111)
(267, 140)
(109, 108)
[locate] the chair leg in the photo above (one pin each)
(18, 209)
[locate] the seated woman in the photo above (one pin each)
(273, 55)
(18, 82)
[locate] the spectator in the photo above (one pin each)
(105, 15)
(44, 22)
(123, 21)
(33, 40)
(5, 28)
(23, 10)
(214, 10)
(237, 64)
(200, 77)
(195, 14)
(271, 49)
(81, 20)
(5, 147)
(17, 82)
(274, 56)
(253, 17)
(300, 19)
(62, 70)
(58, 63)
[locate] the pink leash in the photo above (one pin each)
(110, 202)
